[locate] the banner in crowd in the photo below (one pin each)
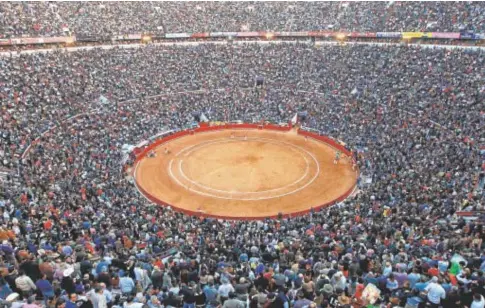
(42, 40)
(389, 34)
(471, 36)
(322, 33)
(363, 34)
(177, 35)
(200, 35)
(222, 34)
(410, 35)
(300, 33)
(250, 34)
(445, 35)
(135, 36)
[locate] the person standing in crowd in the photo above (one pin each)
(97, 297)
(435, 292)
(25, 284)
(478, 301)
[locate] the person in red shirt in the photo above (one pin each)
(47, 224)
(434, 271)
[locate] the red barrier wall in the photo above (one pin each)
(327, 140)
(158, 142)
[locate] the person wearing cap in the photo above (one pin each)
(327, 290)
(13, 301)
(67, 283)
(435, 293)
(342, 298)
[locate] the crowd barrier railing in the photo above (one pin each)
(338, 35)
(327, 140)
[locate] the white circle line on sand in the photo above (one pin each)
(307, 169)
(249, 199)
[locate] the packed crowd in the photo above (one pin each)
(76, 233)
(114, 18)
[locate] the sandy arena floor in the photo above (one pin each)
(252, 174)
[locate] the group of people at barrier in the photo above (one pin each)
(94, 19)
(75, 232)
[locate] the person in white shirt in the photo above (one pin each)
(224, 290)
(338, 281)
(97, 298)
(478, 301)
(435, 292)
(25, 284)
(130, 303)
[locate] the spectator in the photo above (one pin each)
(25, 284)
(435, 292)
(233, 302)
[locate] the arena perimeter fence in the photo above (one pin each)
(142, 152)
(147, 37)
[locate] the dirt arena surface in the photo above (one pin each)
(244, 174)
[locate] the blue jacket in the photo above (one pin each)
(126, 284)
(45, 287)
(5, 291)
